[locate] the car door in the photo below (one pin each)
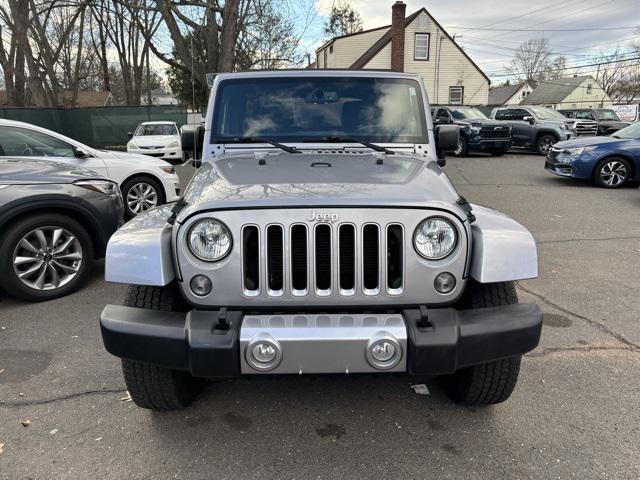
(521, 130)
(20, 142)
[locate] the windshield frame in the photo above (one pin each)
(557, 117)
(463, 109)
(420, 101)
(143, 126)
(609, 111)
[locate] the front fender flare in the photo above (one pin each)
(502, 249)
(140, 252)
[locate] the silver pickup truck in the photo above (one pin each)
(320, 236)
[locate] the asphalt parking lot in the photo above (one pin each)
(574, 414)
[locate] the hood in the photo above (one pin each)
(479, 122)
(314, 179)
(32, 172)
(587, 142)
(154, 140)
(614, 123)
(131, 158)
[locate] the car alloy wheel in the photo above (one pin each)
(613, 173)
(545, 145)
(47, 258)
(142, 196)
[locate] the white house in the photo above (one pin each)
(510, 94)
(415, 44)
(571, 92)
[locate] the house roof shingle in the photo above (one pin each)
(499, 95)
(554, 91)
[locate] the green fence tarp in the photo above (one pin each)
(98, 127)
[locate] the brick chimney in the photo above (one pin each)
(398, 11)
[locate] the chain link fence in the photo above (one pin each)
(98, 127)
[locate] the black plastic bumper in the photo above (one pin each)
(492, 145)
(450, 339)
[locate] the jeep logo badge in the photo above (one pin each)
(323, 217)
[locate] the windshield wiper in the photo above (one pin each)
(270, 141)
(339, 139)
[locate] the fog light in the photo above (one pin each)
(445, 282)
(263, 353)
(201, 285)
(383, 351)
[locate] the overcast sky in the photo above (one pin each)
(492, 50)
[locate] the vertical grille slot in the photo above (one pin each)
(275, 259)
(251, 259)
(299, 258)
(395, 262)
(370, 259)
(323, 258)
(347, 258)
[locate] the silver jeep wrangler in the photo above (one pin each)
(320, 235)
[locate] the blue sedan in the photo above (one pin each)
(609, 162)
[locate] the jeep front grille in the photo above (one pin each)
(324, 259)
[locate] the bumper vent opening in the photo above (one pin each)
(251, 258)
(323, 258)
(347, 239)
(370, 259)
(299, 258)
(395, 262)
(275, 258)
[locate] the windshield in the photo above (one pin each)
(631, 132)
(158, 129)
(607, 115)
(467, 113)
(383, 110)
(544, 113)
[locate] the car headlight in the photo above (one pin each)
(573, 151)
(101, 186)
(174, 144)
(169, 169)
(475, 130)
(209, 240)
(132, 145)
(435, 238)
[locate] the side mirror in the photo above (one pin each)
(192, 144)
(446, 140)
(443, 120)
(79, 152)
(529, 119)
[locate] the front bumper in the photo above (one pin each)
(442, 342)
(562, 169)
(489, 144)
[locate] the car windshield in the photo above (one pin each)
(630, 132)
(607, 115)
(544, 113)
(156, 129)
(467, 113)
(299, 109)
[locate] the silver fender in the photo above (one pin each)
(140, 252)
(502, 249)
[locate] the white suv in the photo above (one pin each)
(145, 182)
(157, 139)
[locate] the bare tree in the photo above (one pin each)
(343, 20)
(619, 75)
(531, 60)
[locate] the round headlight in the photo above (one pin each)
(435, 238)
(209, 240)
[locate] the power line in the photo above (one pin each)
(545, 30)
(571, 68)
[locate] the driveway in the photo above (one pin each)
(574, 414)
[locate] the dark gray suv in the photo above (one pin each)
(55, 220)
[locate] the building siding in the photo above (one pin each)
(517, 97)
(347, 50)
(579, 98)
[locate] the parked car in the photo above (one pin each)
(55, 220)
(157, 139)
(478, 133)
(538, 128)
(145, 182)
(320, 235)
(608, 120)
(609, 162)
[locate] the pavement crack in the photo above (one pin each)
(459, 170)
(600, 326)
(605, 239)
(62, 398)
(553, 350)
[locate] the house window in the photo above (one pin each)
(456, 95)
(589, 88)
(421, 46)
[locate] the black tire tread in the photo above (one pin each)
(151, 386)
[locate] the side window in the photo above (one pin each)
(502, 115)
(22, 142)
(518, 114)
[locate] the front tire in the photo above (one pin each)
(463, 148)
(150, 386)
(140, 194)
(612, 172)
(544, 143)
(492, 382)
(44, 256)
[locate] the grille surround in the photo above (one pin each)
(417, 273)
